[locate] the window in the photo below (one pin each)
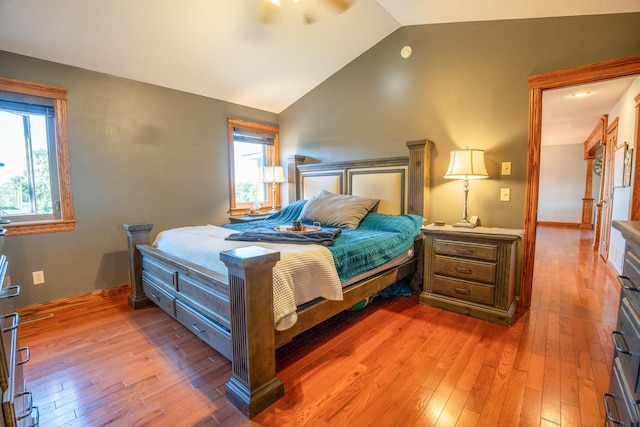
(35, 189)
(252, 146)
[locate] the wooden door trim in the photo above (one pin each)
(607, 198)
(591, 73)
(598, 136)
(634, 215)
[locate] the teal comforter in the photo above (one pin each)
(378, 239)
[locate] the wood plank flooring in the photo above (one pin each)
(96, 362)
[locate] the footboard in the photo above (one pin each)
(233, 314)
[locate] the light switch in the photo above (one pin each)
(505, 194)
(506, 168)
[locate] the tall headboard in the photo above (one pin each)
(400, 183)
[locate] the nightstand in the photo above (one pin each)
(471, 271)
(246, 218)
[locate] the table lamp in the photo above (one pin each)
(465, 165)
(274, 175)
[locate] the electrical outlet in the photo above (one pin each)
(506, 168)
(38, 277)
(505, 194)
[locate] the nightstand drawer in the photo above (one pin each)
(468, 250)
(464, 290)
(465, 269)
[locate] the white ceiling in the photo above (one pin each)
(219, 48)
(567, 119)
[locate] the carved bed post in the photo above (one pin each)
(293, 179)
(419, 196)
(419, 179)
(136, 234)
(253, 385)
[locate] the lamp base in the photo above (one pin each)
(464, 225)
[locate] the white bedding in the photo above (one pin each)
(311, 267)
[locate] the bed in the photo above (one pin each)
(234, 312)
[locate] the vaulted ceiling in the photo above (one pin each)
(223, 49)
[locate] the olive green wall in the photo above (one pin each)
(143, 153)
(137, 153)
(465, 85)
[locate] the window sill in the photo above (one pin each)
(39, 227)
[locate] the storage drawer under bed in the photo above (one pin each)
(160, 297)
(207, 299)
(204, 328)
(159, 273)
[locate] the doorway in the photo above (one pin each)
(537, 84)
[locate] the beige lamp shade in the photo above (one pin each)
(273, 174)
(467, 164)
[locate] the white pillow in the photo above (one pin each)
(337, 210)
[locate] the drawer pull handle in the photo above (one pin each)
(15, 321)
(606, 409)
(464, 251)
(27, 356)
(464, 270)
(156, 296)
(462, 291)
(10, 292)
(627, 283)
(615, 344)
(29, 406)
(197, 329)
(36, 417)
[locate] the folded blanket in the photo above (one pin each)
(324, 237)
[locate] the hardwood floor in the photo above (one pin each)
(396, 363)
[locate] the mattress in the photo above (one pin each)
(304, 272)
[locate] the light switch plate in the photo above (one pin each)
(506, 168)
(38, 277)
(505, 194)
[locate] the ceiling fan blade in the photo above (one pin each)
(271, 11)
(340, 5)
(268, 12)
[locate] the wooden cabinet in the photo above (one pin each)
(17, 402)
(621, 401)
(471, 271)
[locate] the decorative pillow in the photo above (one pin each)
(337, 210)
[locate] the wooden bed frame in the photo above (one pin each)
(234, 314)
